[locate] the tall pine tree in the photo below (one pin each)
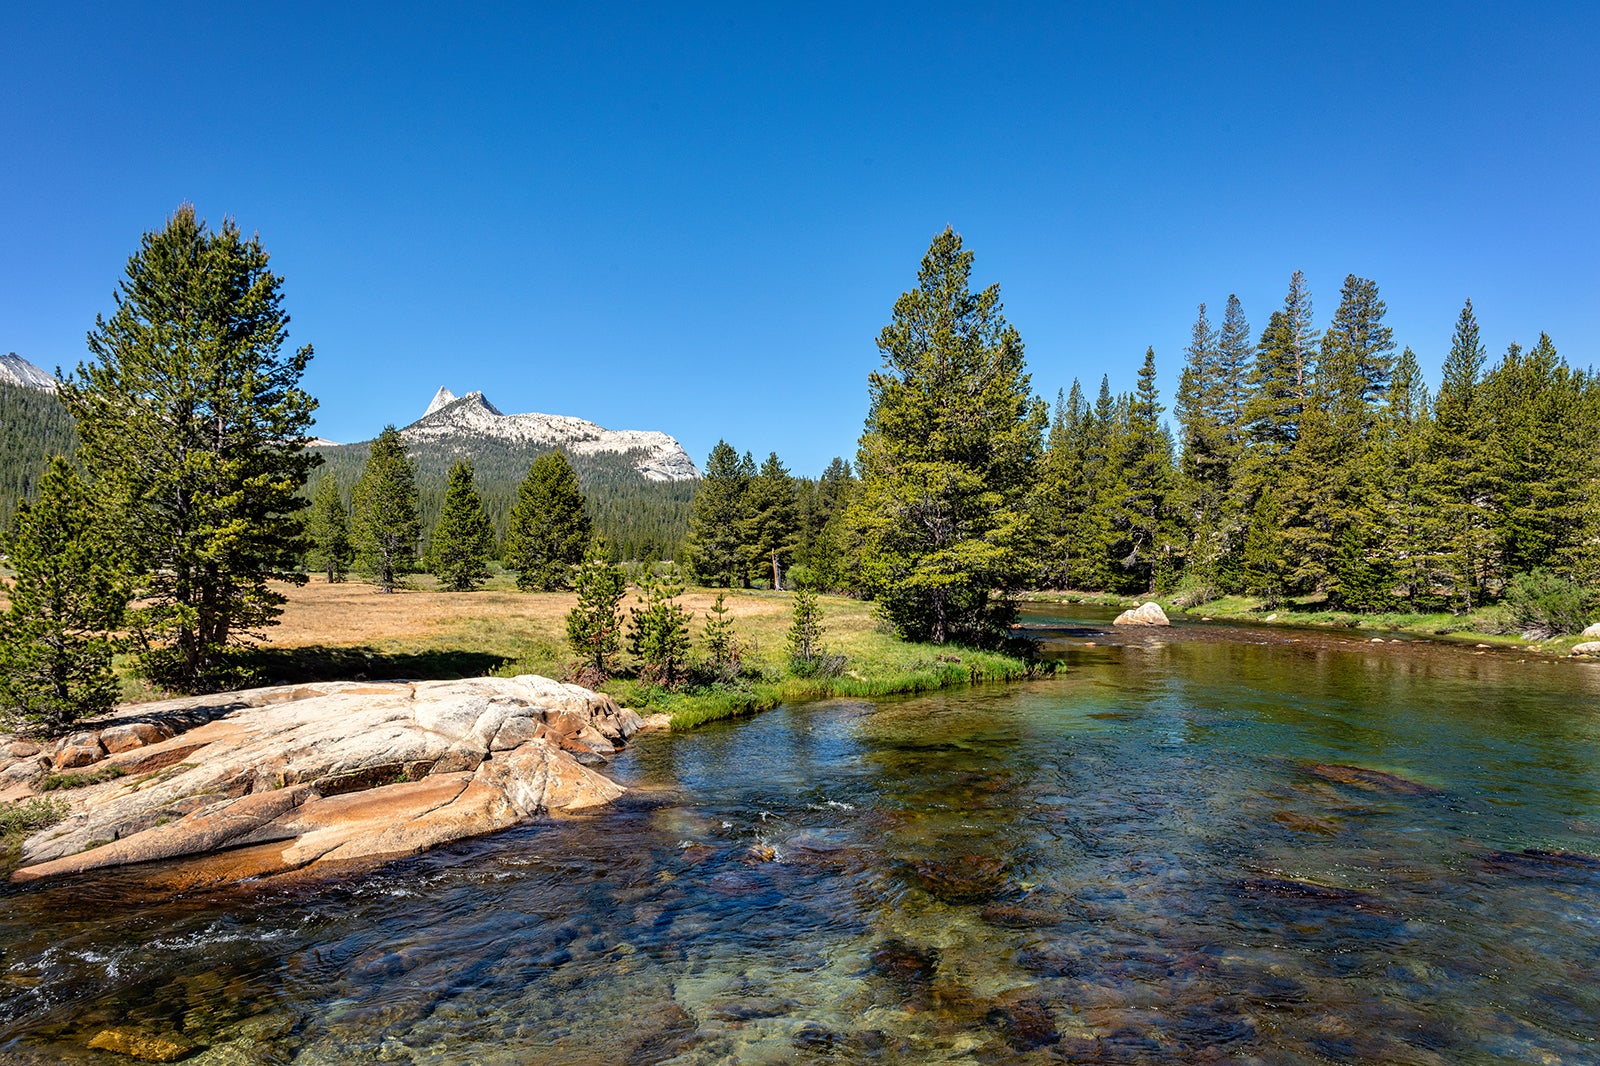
(192, 423)
(328, 526)
(946, 458)
(548, 529)
(384, 512)
(68, 598)
(719, 510)
(463, 539)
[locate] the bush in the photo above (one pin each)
(1542, 605)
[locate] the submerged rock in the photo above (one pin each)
(1148, 614)
(1371, 780)
(147, 1047)
(279, 779)
(963, 879)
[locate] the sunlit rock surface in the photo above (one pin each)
(277, 779)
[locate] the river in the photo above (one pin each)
(1204, 844)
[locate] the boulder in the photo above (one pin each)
(333, 774)
(1592, 631)
(1149, 614)
(1588, 647)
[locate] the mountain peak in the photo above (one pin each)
(15, 370)
(445, 398)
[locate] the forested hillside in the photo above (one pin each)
(640, 519)
(1321, 464)
(33, 427)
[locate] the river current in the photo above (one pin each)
(1204, 844)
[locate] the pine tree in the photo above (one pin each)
(1234, 351)
(1143, 468)
(384, 512)
(947, 456)
(192, 424)
(719, 639)
(69, 595)
(770, 530)
(1540, 472)
(549, 527)
(1400, 481)
(1205, 474)
(719, 510)
(328, 526)
(463, 539)
(806, 633)
(1331, 516)
(1458, 536)
(594, 625)
(658, 634)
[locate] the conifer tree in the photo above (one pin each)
(69, 594)
(1143, 464)
(328, 526)
(658, 634)
(192, 424)
(1234, 351)
(594, 625)
(1540, 471)
(1330, 513)
(946, 458)
(719, 639)
(384, 512)
(769, 531)
(806, 633)
(1206, 470)
(714, 526)
(548, 529)
(1458, 536)
(1400, 486)
(463, 539)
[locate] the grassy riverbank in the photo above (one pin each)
(1488, 625)
(351, 631)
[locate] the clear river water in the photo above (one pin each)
(1203, 844)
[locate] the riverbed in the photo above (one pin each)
(1202, 844)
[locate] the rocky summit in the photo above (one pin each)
(325, 775)
(454, 420)
(15, 370)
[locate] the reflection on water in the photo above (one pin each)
(1184, 849)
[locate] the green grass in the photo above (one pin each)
(53, 782)
(18, 821)
(352, 632)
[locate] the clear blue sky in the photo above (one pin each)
(699, 223)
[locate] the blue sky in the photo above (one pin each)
(699, 222)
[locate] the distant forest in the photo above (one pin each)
(33, 427)
(639, 519)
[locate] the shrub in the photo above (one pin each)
(1543, 604)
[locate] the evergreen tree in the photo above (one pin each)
(192, 424)
(720, 640)
(1093, 531)
(719, 511)
(1205, 474)
(946, 459)
(805, 634)
(658, 635)
(1234, 351)
(463, 540)
(549, 526)
(68, 597)
(328, 526)
(1540, 471)
(384, 512)
(1458, 538)
(1331, 515)
(770, 531)
(1400, 485)
(1143, 468)
(835, 552)
(594, 625)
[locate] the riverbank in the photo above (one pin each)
(1484, 628)
(352, 632)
